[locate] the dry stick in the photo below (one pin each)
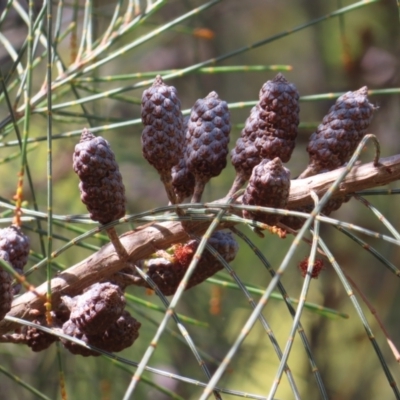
(237, 184)
(141, 242)
(198, 190)
(359, 178)
(119, 248)
(166, 179)
(121, 251)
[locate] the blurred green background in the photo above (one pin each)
(335, 55)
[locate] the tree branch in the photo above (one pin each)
(361, 177)
(144, 241)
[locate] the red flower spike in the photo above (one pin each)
(318, 267)
(183, 253)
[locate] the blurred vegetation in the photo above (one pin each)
(361, 47)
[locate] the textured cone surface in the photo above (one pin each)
(17, 285)
(268, 186)
(245, 157)
(341, 131)
(97, 308)
(271, 129)
(207, 137)
(279, 119)
(119, 336)
(38, 340)
(163, 135)
(101, 187)
(69, 328)
(168, 274)
(16, 245)
(182, 180)
(6, 292)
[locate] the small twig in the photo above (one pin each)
(237, 184)
(119, 248)
(16, 338)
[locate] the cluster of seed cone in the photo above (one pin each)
(267, 141)
(14, 249)
(187, 153)
(270, 131)
(167, 271)
(335, 141)
(98, 318)
(101, 187)
(269, 135)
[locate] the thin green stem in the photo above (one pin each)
(371, 337)
(274, 281)
(299, 311)
(181, 327)
(25, 385)
(49, 157)
(390, 266)
(125, 361)
(262, 319)
(288, 302)
(380, 216)
(312, 307)
(146, 357)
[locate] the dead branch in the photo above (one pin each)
(139, 244)
(144, 241)
(361, 177)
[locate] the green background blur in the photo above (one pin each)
(333, 56)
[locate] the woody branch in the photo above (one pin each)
(142, 242)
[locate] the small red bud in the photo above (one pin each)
(318, 267)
